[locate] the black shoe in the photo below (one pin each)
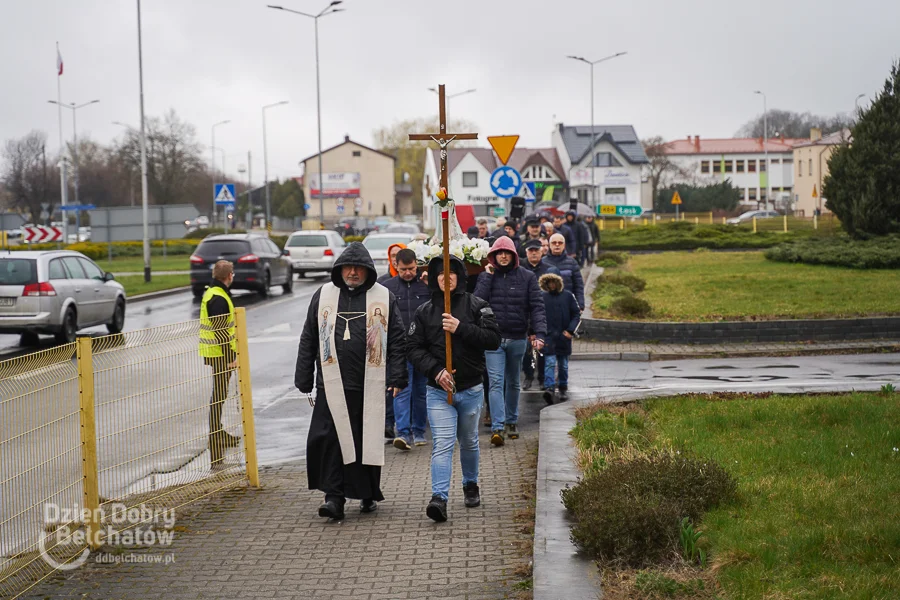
(368, 506)
(332, 510)
(437, 509)
(526, 385)
(548, 396)
(512, 431)
(563, 395)
(543, 388)
(473, 498)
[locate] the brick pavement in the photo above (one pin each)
(269, 543)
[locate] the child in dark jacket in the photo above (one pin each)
(563, 315)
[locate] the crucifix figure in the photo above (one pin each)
(443, 139)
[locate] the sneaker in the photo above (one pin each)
(437, 509)
(511, 431)
(526, 385)
(548, 397)
(420, 440)
(401, 443)
(368, 506)
(497, 437)
(332, 510)
(473, 498)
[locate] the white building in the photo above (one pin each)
(469, 173)
(742, 160)
(616, 159)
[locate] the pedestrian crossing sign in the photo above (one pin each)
(224, 193)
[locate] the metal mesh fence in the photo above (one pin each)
(121, 423)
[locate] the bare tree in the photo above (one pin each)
(173, 159)
(660, 164)
(394, 139)
(793, 125)
(28, 179)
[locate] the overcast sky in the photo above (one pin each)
(691, 66)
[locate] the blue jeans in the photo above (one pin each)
(449, 423)
(410, 412)
(503, 367)
(550, 362)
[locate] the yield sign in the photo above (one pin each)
(39, 233)
(503, 145)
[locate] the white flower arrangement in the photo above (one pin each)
(467, 250)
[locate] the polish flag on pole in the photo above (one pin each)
(59, 61)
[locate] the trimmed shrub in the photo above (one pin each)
(99, 250)
(618, 258)
(632, 282)
(631, 510)
(875, 253)
(630, 306)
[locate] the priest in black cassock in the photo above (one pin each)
(354, 336)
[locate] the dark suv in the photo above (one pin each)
(352, 226)
(258, 263)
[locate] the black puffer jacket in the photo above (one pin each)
(563, 314)
(410, 296)
(476, 333)
(571, 275)
(351, 354)
(514, 295)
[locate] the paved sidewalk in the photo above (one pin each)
(269, 543)
(589, 350)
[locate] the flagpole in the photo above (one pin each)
(62, 157)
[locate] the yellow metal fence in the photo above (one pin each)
(111, 424)
(785, 223)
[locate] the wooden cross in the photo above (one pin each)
(443, 139)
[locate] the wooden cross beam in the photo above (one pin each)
(443, 139)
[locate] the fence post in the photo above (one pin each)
(602, 224)
(785, 223)
(696, 220)
(88, 430)
(710, 217)
(754, 224)
(622, 224)
(724, 221)
(240, 321)
(815, 221)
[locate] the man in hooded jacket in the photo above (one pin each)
(474, 330)
(354, 276)
(515, 298)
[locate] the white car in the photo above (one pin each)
(378, 243)
(747, 217)
(313, 250)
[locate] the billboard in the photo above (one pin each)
(336, 185)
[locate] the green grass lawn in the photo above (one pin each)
(818, 515)
(134, 284)
(136, 264)
(705, 286)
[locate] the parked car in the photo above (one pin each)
(57, 292)
(352, 226)
(379, 223)
(258, 263)
(377, 244)
(313, 250)
(401, 228)
(748, 216)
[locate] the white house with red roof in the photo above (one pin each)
(742, 160)
(470, 172)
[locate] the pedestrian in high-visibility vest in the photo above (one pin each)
(218, 347)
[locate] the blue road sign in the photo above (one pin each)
(528, 191)
(224, 193)
(77, 207)
(506, 182)
(306, 207)
(340, 209)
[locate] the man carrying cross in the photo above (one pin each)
(354, 335)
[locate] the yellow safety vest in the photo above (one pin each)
(210, 347)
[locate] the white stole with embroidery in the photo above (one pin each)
(376, 319)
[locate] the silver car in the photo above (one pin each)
(313, 250)
(57, 292)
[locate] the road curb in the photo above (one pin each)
(159, 294)
(637, 356)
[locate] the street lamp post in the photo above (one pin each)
(447, 98)
(593, 136)
(766, 150)
(328, 10)
(857, 103)
(74, 110)
(266, 165)
(212, 170)
(145, 206)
